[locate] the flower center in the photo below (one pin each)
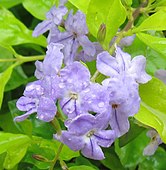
(90, 133)
(114, 106)
(74, 96)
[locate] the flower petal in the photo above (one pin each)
(46, 109)
(92, 150)
(105, 138)
(106, 64)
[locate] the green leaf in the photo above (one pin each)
(112, 160)
(4, 77)
(82, 5)
(10, 3)
(132, 153)
(156, 43)
(153, 108)
(25, 126)
(82, 167)
(156, 161)
(18, 78)
(154, 22)
(38, 8)
(15, 145)
(13, 32)
(154, 59)
(48, 149)
(112, 13)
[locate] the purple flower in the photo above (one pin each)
(161, 74)
(151, 148)
(122, 64)
(125, 102)
(34, 101)
(73, 37)
(87, 133)
(52, 62)
(54, 18)
(79, 94)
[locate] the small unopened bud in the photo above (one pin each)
(101, 33)
(40, 158)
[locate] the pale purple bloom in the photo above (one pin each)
(125, 102)
(151, 148)
(54, 18)
(161, 74)
(87, 133)
(34, 101)
(73, 37)
(122, 64)
(52, 62)
(127, 41)
(79, 95)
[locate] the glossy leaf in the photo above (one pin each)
(18, 78)
(156, 161)
(153, 108)
(112, 160)
(15, 145)
(82, 167)
(132, 153)
(10, 3)
(38, 8)
(154, 22)
(82, 5)
(13, 32)
(154, 59)
(156, 43)
(111, 13)
(4, 78)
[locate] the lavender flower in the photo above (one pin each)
(87, 133)
(35, 101)
(79, 95)
(122, 64)
(154, 143)
(73, 37)
(125, 102)
(161, 74)
(54, 18)
(52, 62)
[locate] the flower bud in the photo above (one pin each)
(101, 33)
(40, 158)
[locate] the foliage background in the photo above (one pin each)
(29, 144)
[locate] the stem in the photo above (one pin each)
(63, 165)
(56, 125)
(95, 75)
(21, 59)
(57, 156)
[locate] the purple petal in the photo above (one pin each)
(72, 141)
(88, 46)
(92, 150)
(25, 116)
(53, 60)
(26, 103)
(96, 98)
(119, 122)
(42, 28)
(39, 70)
(46, 110)
(76, 75)
(34, 89)
(79, 23)
(123, 59)
(82, 124)
(161, 74)
(127, 41)
(106, 64)
(138, 69)
(105, 138)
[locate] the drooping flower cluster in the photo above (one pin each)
(96, 114)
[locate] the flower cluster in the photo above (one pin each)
(96, 113)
